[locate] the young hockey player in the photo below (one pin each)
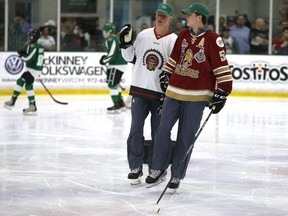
(149, 53)
(116, 67)
(196, 73)
(33, 55)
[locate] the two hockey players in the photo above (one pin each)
(196, 75)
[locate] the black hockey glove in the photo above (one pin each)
(126, 36)
(159, 110)
(218, 101)
(22, 52)
(164, 80)
(102, 60)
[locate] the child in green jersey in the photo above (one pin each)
(33, 56)
(116, 66)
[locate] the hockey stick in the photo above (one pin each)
(185, 156)
(59, 102)
(122, 88)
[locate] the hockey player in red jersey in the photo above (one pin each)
(196, 75)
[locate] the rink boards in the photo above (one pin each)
(81, 73)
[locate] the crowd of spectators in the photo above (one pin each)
(244, 37)
(239, 34)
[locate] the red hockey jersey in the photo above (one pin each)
(198, 65)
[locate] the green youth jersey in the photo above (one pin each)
(114, 56)
(35, 57)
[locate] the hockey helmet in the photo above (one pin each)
(34, 35)
(108, 28)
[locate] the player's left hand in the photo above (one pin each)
(102, 60)
(21, 52)
(159, 110)
(218, 101)
(164, 80)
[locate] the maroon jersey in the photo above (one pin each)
(198, 65)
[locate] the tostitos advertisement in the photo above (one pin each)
(82, 71)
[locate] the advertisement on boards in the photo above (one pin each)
(251, 73)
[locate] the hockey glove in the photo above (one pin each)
(164, 80)
(218, 101)
(102, 60)
(22, 52)
(159, 110)
(126, 36)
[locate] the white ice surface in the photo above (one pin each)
(71, 161)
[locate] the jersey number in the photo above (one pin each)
(40, 60)
(222, 55)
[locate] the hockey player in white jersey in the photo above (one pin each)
(149, 53)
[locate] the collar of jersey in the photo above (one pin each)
(201, 31)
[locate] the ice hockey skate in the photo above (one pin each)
(31, 109)
(10, 104)
(174, 185)
(135, 176)
(115, 109)
(155, 177)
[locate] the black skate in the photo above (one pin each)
(31, 109)
(10, 104)
(135, 176)
(115, 109)
(174, 185)
(155, 177)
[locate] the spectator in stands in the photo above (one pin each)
(81, 40)
(222, 24)
(69, 43)
(247, 21)
(280, 43)
(211, 26)
(282, 24)
(259, 37)
(283, 10)
(53, 28)
(144, 25)
(230, 42)
(17, 35)
(241, 34)
(178, 27)
(46, 40)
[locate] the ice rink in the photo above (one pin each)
(71, 161)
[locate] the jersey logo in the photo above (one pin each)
(153, 60)
(200, 56)
(187, 59)
(201, 43)
(14, 64)
(219, 42)
(183, 68)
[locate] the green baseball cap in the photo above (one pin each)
(196, 8)
(166, 9)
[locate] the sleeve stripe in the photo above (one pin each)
(224, 78)
(171, 62)
(221, 70)
(168, 69)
